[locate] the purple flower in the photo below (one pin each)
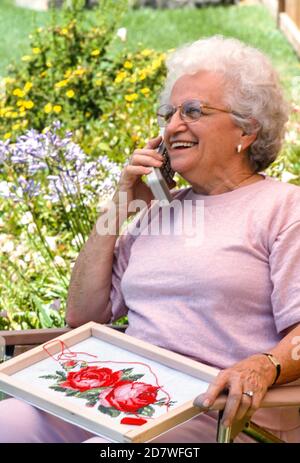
(4, 151)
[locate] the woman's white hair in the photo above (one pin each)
(252, 89)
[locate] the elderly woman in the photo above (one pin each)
(232, 299)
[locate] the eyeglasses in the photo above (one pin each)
(190, 111)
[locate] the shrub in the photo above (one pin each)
(71, 74)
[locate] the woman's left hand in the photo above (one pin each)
(247, 382)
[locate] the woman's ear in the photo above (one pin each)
(249, 136)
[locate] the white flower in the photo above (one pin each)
(32, 228)
(4, 189)
(20, 250)
(26, 218)
(38, 258)
(27, 257)
(287, 176)
(51, 241)
(122, 33)
(7, 246)
(59, 261)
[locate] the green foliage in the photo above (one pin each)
(70, 75)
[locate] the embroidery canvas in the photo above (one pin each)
(112, 391)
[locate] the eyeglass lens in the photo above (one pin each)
(189, 111)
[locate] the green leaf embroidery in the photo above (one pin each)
(109, 411)
(61, 375)
(146, 411)
(133, 377)
(71, 392)
(127, 371)
(91, 392)
(58, 388)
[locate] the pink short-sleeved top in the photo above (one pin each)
(225, 296)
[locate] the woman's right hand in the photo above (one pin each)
(140, 164)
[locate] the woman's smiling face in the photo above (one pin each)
(215, 136)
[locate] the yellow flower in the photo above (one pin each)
(156, 63)
(22, 113)
(131, 97)
(57, 108)
(79, 72)
(135, 138)
(16, 126)
(145, 91)
(28, 86)
(25, 123)
(142, 75)
(128, 65)
(48, 108)
(43, 74)
(95, 52)
(18, 92)
(68, 73)
(48, 64)
(98, 82)
(120, 76)
(20, 103)
(64, 31)
(14, 114)
(62, 83)
(133, 79)
(28, 104)
(36, 50)
(146, 52)
(26, 58)
(70, 93)
(7, 135)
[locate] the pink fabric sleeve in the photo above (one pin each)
(285, 275)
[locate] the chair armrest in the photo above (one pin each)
(29, 337)
(279, 396)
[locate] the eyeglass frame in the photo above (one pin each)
(203, 104)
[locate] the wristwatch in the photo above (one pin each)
(275, 363)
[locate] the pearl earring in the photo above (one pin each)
(239, 148)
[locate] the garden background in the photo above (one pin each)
(78, 92)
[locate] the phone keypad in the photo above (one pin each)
(166, 170)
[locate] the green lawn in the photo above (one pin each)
(164, 29)
(15, 26)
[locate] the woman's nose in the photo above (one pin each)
(176, 124)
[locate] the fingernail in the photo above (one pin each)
(226, 424)
(206, 403)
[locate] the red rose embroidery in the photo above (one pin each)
(90, 378)
(70, 364)
(128, 396)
